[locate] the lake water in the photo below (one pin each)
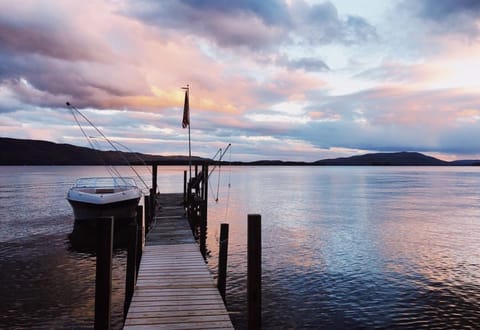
(343, 247)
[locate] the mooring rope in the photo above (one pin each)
(73, 109)
(229, 185)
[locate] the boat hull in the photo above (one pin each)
(84, 234)
(122, 211)
(96, 197)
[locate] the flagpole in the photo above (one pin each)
(189, 151)
(185, 123)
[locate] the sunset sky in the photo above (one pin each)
(291, 80)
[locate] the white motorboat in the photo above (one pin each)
(94, 197)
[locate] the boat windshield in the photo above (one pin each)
(105, 182)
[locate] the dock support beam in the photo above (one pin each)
(131, 276)
(254, 272)
(222, 260)
(185, 188)
(154, 177)
(103, 280)
(140, 235)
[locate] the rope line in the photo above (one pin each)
(73, 109)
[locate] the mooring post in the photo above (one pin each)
(254, 272)
(130, 279)
(140, 235)
(202, 221)
(103, 280)
(190, 200)
(154, 177)
(202, 189)
(184, 187)
(147, 206)
(222, 260)
(205, 181)
(153, 201)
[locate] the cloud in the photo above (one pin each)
(49, 56)
(256, 25)
(439, 10)
(307, 64)
(272, 12)
(448, 16)
(393, 119)
(321, 24)
(32, 27)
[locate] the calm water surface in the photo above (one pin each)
(343, 247)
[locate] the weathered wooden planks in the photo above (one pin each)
(175, 289)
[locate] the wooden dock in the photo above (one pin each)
(174, 289)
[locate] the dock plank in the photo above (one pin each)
(174, 289)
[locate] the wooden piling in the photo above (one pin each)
(140, 235)
(153, 201)
(147, 212)
(154, 177)
(184, 187)
(205, 186)
(222, 260)
(103, 280)
(131, 266)
(254, 270)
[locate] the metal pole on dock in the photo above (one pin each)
(103, 280)
(254, 272)
(222, 260)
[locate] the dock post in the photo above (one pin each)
(154, 177)
(205, 186)
(147, 212)
(222, 260)
(131, 266)
(202, 223)
(140, 235)
(103, 280)
(184, 187)
(153, 201)
(254, 272)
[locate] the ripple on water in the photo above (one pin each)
(46, 285)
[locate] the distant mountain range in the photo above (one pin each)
(34, 152)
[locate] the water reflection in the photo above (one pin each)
(45, 285)
(342, 248)
(357, 247)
